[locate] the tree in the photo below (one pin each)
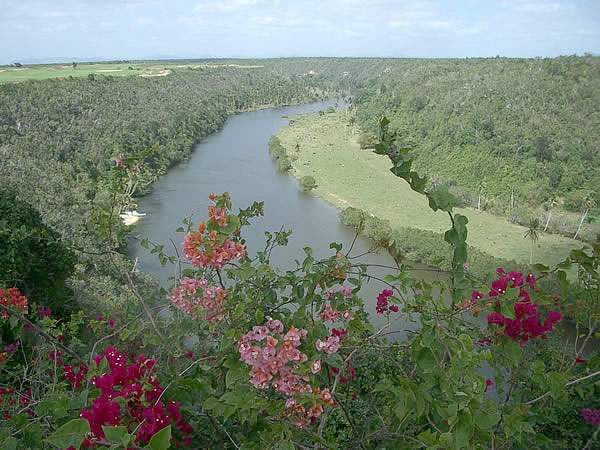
(308, 183)
(552, 203)
(480, 190)
(543, 152)
(74, 65)
(590, 202)
(532, 233)
(34, 258)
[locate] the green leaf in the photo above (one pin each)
(115, 434)
(33, 436)
(442, 199)
(144, 243)
(507, 308)
(467, 340)
(10, 444)
(463, 431)
(307, 264)
(485, 420)
(233, 225)
(514, 351)
(425, 359)
(564, 283)
(161, 440)
(540, 268)
(71, 434)
(259, 316)
(556, 384)
(234, 375)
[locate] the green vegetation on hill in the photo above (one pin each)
(487, 126)
(60, 138)
(348, 176)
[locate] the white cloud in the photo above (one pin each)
(144, 21)
(538, 7)
(226, 5)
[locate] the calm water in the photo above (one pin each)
(236, 160)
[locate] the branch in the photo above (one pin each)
(568, 384)
(137, 294)
(41, 332)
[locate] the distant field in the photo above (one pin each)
(10, 74)
(348, 176)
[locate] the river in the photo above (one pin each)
(236, 160)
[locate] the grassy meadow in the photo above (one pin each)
(348, 176)
(13, 74)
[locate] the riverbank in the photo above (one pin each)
(326, 148)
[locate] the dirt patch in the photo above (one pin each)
(162, 73)
(110, 70)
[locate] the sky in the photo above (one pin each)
(54, 30)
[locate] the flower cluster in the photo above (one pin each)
(345, 290)
(330, 346)
(199, 300)
(382, 302)
(13, 298)
(310, 415)
(75, 378)
(331, 315)
(270, 363)
(208, 250)
(350, 372)
(8, 396)
(47, 312)
(131, 396)
(591, 416)
(276, 365)
(526, 324)
(211, 245)
(471, 302)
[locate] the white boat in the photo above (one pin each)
(131, 217)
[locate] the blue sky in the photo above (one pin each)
(138, 29)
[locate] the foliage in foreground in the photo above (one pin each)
(241, 355)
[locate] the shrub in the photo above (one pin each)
(307, 182)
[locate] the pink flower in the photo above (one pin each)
(488, 383)
(315, 367)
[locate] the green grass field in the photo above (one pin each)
(12, 74)
(348, 176)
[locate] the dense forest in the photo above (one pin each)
(59, 139)
(509, 135)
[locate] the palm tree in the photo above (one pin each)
(552, 203)
(532, 233)
(590, 202)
